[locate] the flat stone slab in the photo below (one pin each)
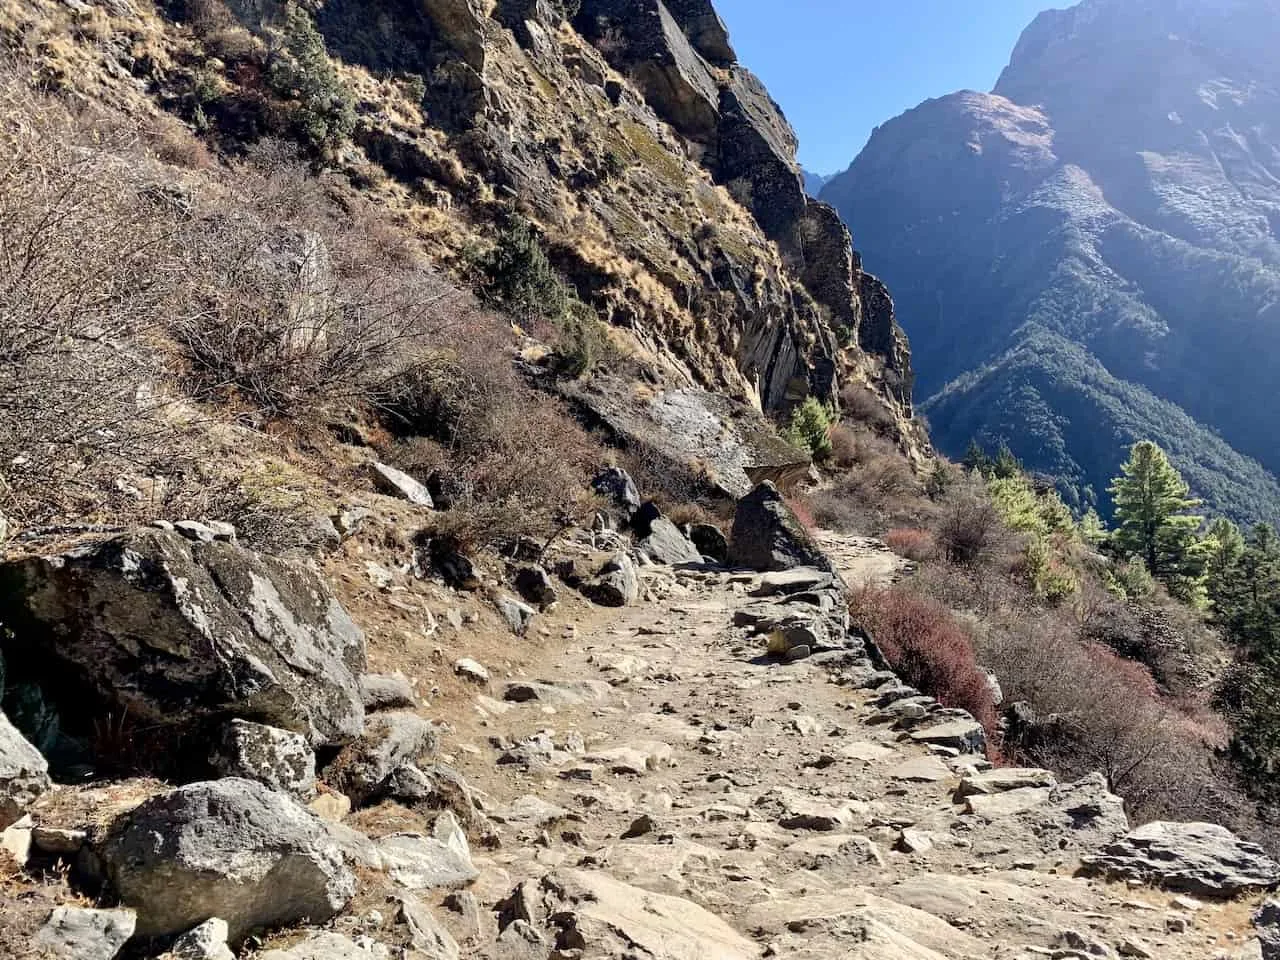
(989, 782)
(1008, 804)
(967, 736)
(787, 582)
(1203, 859)
(922, 770)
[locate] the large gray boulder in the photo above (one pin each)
(174, 633)
(231, 849)
(1203, 859)
(767, 535)
(24, 774)
(617, 584)
(667, 545)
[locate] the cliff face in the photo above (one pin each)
(1090, 255)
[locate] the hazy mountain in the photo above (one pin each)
(1091, 254)
(814, 182)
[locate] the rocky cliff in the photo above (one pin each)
(1088, 255)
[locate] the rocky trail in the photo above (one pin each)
(706, 763)
(663, 790)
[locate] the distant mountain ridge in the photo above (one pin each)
(1091, 253)
(814, 182)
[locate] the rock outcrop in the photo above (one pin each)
(179, 634)
(1200, 858)
(678, 54)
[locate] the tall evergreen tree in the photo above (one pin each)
(1153, 519)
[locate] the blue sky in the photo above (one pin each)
(840, 67)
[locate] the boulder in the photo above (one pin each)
(710, 541)
(231, 849)
(667, 545)
(617, 584)
(616, 486)
(176, 633)
(518, 616)
(440, 861)
(276, 758)
(436, 787)
(1267, 924)
(989, 782)
(1202, 859)
(427, 938)
(24, 774)
(206, 942)
(74, 933)
(534, 584)
(602, 917)
(471, 670)
(387, 691)
(397, 483)
(363, 768)
(768, 536)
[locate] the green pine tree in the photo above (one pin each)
(1153, 519)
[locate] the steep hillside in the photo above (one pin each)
(1089, 255)
(659, 178)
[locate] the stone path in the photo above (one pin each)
(662, 790)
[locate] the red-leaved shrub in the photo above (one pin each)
(928, 648)
(917, 545)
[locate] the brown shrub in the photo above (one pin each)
(512, 458)
(846, 449)
(86, 262)
(1098, 711)
(928, 648)
(174, 143)
(861, 404)
(915, 545)
(687, 514)
(970, 530)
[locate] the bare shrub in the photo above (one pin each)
(1098, 711)
(512, 459)
(861, 404)
(296, 309)
(970, 529)
(915, 545)
(928, 648)
(845, 448)
(85, 262)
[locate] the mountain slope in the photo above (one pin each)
(1118, 194)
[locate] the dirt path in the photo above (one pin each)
(807, 805)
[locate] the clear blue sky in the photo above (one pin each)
(841, 67)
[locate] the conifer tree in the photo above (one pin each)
(1153, 518)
